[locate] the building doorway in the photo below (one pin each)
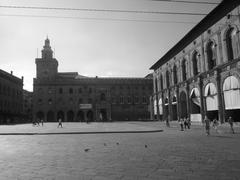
(90, 116)
(195, 105)
(70, 116)
(50, 116)
(80, 116)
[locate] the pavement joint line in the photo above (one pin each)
(87, 132)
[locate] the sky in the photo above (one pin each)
(93, 43)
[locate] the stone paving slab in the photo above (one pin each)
(171, 154)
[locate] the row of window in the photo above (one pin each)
(81, 90)
(232, 52)
(121, 100)
(6, 90)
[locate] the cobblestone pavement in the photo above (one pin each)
(171, 154)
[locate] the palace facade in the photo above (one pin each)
(200, 75)
(11, 98)
(73, 97)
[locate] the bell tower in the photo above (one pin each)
(47, 66)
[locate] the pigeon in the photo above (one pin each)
(117, 143)
(146, 146)
(105, 144)
(86, 150)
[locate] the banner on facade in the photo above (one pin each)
(85, 106)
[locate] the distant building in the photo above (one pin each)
(11, 98)
(200, 75)
(73, 97)
(27, 105)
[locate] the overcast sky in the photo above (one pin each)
(94, 45)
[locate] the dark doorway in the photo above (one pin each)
(50, 116)
(89, 116)
(80, 116)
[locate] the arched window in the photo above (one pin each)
(232, 44)
(161, 82)
(144, 100)
(175, 74)
(211, 55)
(50, 101)
(60, 91)
(121, 100)
(156, 86)
(167, 79)
(39, 101)
(195, 63)
(184, 71)
(103, 97)
(70, 90)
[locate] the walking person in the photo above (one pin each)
(215, 124)
(42, 122)
(59, 122)
(181, 123)
(188, 122)
(167, 121)
(207, 125)
(230, 121)
(185, 123)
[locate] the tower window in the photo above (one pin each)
(70, 91)
(60, 90)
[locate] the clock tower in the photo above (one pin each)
(47, 66)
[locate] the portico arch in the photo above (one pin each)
(231, 91)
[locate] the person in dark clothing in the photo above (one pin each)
(230, 121)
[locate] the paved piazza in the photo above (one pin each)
(171, 154)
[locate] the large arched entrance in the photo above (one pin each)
(210, 94)
(183, 105)
(155, 108)
(231, 90)
(174, 108)
(160, 108)
(166, 108)
(89, 116)
(80, 116)
(50, 116)
(40, 115)
(70, 116)
(60, 114)
(195, 105)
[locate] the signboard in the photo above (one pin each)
(85, 106)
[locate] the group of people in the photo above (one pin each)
(184, 123)
(215, 124)
(37, 122)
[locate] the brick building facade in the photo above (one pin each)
(200, 75)
(11, 98)
(78, 98)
